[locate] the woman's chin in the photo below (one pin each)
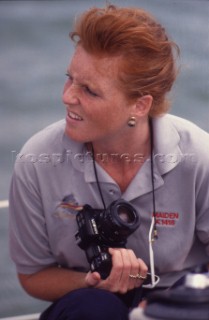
(75, 135)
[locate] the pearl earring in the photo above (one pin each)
(132, 121)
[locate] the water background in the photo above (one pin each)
(34, 53)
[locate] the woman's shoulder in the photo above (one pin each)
(49, 145)
(192, 138)
(48, 138)
(183, 125)
(189, 130)
(185, 128)
(175, 135)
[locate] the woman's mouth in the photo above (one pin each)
(74, 116)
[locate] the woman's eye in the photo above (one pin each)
(89, 91)
(84, 87)
(69, 76)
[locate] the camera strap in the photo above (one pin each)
(155, 234)
(96, 176)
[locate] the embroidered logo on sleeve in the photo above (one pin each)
(167, 219)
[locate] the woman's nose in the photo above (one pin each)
(70, 94)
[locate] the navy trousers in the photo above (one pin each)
(89, 304)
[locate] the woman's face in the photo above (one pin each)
(96, 109)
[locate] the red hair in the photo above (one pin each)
(148, 56)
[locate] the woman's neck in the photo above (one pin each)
(122, 160)
(127, 150)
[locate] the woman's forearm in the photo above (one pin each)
(52, 283)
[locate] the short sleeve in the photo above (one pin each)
(29, 245)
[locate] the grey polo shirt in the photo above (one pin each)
(53, 177)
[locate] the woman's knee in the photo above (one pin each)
(88, 304)
(100, 304)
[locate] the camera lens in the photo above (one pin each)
(117, 222)
(125, 214)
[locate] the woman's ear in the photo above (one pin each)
(143, 105)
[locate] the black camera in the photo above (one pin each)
(100, 229)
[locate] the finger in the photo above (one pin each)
(134, 274)
(128, 263)
(142, 273)
(143, 304)
(116, 271)
(143, 269)
(92, 279)
(138, 272)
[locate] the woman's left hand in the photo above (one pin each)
(128, 272)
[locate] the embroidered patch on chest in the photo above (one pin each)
(68, 207)
(166, 219)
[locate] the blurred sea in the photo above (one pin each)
(34, 53)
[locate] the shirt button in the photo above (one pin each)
(111, 191)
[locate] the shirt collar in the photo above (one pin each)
(167, 153)
(82, 161)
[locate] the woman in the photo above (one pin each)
(116, 143)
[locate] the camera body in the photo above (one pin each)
(100, 229)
